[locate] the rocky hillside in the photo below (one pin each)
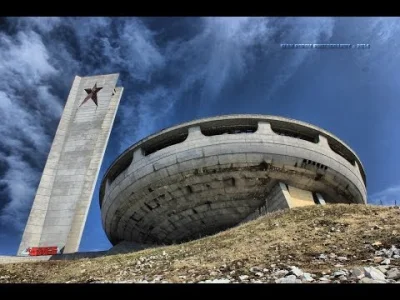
(332, 243)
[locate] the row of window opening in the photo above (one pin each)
(232, 129)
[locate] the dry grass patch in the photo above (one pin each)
(291, 237)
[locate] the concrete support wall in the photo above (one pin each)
(320, 199)
(61, 204)
(283, 197)
(277, 199)
(299, 197)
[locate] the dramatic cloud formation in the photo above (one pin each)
(223, 51)
(179, 69)
(43, 24)
(26, 105)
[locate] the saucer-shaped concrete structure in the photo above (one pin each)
(207, 175)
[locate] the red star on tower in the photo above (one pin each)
(92, 94)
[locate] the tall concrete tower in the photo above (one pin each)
(65, 191)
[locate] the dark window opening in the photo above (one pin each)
(315, 198)
(120, 167)
(189, 189)
(148, 206)
(156, 146)
(263, 166)
(318, 177)
(134, 217)
(343, 153)
(229, 182)
(230, 129)
(295, 134)
(310, 162)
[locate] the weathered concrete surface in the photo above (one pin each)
(299, 197)
(4, 259)
(207, 175)
(283, 197)
(278, 198)
(61, 204)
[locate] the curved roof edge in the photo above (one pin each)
(258, 117)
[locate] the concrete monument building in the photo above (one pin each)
(207, 175)
(62, 200)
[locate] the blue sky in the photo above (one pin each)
(178, 69)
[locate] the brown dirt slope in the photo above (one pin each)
(294, 237)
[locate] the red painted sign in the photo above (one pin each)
(37, 251)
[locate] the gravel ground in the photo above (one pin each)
(319, 244)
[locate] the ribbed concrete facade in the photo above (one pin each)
(62, 201)
(207, 175)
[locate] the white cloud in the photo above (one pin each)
(382, 34)
(48, 102)
(230, 54)
(27, 102)
(130, 48)
(24, 58)
(211, 59)
(25, 106)
(43, 24)
(87, 28)
(19, 123)
(21, 180)
(138, 51)
(389, 196)
(225, 50)
(301, 31)
(151, 112)
(221, 53)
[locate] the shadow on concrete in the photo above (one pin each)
(121, 248)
